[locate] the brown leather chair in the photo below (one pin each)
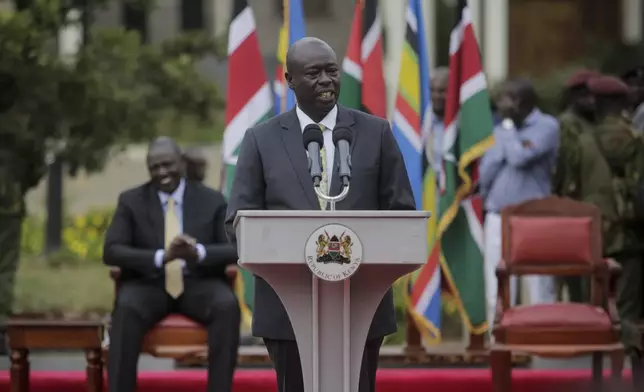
(555, 236)
(176, 337)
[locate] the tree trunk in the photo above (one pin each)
(12, 210)
(10, 233)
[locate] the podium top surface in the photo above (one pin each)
(292, 236)
(327, 214)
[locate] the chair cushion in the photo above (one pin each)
(551, 240)
(178, 321)
(557, 315)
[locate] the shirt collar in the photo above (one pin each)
(177, 195)
(328, 121)
(532, 118)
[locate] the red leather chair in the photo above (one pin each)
(176, 337)
(560, 237)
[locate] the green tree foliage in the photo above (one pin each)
(115, 91)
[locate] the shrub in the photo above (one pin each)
(83, 237)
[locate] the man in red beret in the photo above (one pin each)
(577, 118)
(623, 153)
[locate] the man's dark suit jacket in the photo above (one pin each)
(272, 174)
(137, 232)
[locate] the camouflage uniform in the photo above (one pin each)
(623, 151)
(603, 165)
(566, 182)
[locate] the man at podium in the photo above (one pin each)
(273, 174)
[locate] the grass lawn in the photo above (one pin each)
(75, 291)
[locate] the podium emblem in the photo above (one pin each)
(333, 252)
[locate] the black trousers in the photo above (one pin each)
(139, 306)
(286, 360)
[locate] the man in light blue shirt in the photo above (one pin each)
(516, 169)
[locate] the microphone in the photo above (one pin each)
(342, 138)
(313, 140)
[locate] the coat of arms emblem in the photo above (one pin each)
(333, 252)
(334, 249)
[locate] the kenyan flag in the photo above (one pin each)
(468, 134)
(248, 102)
(363, 84)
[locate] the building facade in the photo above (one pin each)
(516, 36)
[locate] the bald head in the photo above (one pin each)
(164, 142)
(312, 72)
(438, 90)
(304, 48)
(164, 164)
(440, 73)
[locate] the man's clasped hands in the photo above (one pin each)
(182, 247)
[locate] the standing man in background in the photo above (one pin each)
(623, 152)
(196, 164)
(577, 119)
(272, 174)
(438, 91)
(516, 169)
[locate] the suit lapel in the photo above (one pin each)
(155, 213)
(292, 141)
(345, 119)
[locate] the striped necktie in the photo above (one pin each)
(324, 182)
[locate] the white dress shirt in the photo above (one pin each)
(177, 196)
(329, 124)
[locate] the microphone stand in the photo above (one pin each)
(346, 306)
(333, 199)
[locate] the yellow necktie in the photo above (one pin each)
(173, 270)
(324, 183)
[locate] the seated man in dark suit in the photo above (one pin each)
(167, 237)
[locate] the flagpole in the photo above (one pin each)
(286, 26)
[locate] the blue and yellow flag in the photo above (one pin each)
(412, 126)
(292, 30)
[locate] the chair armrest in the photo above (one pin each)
(502, 269)
(614, 268)
(614, 272)
(231, 274)
(115, 273)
